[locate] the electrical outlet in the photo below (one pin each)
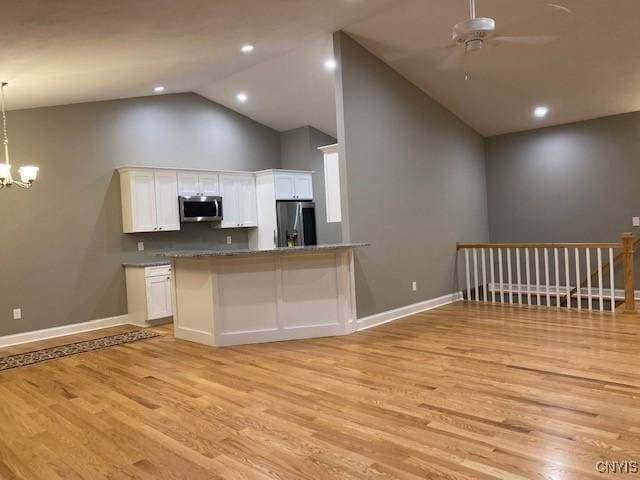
(635, 221)
(414, 286)
(229, 240)
(17, 313)
(141, 246)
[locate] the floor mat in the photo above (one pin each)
(37, 356)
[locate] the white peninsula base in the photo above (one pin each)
(244, 297)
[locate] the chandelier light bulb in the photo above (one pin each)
(28, 173)
(5, 171)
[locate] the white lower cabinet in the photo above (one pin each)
(149, 293)
(238, 201)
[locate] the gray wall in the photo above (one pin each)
(61, 242)
(571, 183)
(300, 152)
(414, 182)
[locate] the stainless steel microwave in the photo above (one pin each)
(200, 209)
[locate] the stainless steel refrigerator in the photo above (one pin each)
(296, 223)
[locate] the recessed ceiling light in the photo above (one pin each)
(158, 89)
(540, 112)
(330, 64)
(242, 97)
(248, 48)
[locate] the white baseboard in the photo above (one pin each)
(523, 288)
(36, 335)
(396, 313)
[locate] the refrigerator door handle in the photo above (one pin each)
(275, 237)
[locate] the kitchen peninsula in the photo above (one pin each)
(234, 297)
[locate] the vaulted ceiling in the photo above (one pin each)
(71, 51)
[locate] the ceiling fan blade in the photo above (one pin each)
(559, 7)
(527, 40)
(452, 60)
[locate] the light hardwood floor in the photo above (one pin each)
(467, 391)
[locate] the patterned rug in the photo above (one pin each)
(37, 356)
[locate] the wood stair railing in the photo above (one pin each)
(594, 276)
(542, 289)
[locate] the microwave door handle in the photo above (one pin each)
(215, 200)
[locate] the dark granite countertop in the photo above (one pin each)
(249, 251)
(158, 262)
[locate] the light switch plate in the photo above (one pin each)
(229, 240)
(17, 313)
(414, 286)
(635, 221)
(141, 246)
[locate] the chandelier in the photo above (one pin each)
(28, 173)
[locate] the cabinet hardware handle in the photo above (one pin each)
(168, 278)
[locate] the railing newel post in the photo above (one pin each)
(629, 286)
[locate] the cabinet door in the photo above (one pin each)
(303, 186)
(158, 297)
(168, 214)
(247, 211)
(143, 201)
(188, 184)
(285, 186)
(208, 185)
(230, 208)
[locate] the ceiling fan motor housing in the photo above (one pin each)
(474, 31)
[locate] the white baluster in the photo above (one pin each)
(484, 275)
(493, 281)
(578, 292)
(528, 273)
(500, 278)
(466, 262)
(475, 273)
(589, 296)
(518, 276)
(567, 276)
(600, 280)
(537, 260)
(546, 274)
(509, 280)
(557, 270)
(612, 281)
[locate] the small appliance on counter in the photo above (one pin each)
(296, 223)
(200, 209)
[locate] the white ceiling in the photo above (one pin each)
(71, 51)
(591, 70)
(288, 91)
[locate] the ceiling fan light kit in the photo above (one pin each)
(473, 32)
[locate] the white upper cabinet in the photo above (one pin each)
(209, 185)
(141, 202)
(149, 201)
(238, 201)
(188, 185)
(167, 211)
(294, 186)
(193, 184)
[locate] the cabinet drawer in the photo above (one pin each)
(157, 271)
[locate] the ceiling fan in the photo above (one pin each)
(476, 32)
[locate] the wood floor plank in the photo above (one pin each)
(467, 391)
